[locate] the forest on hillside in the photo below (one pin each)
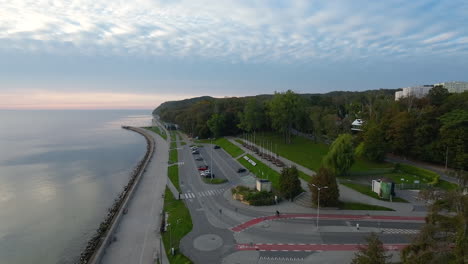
(433, 128)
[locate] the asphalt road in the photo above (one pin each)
(213, 216)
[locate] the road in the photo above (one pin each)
(213, 240)
(138, 233)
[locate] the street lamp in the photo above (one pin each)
(318, 201)
(211, 160)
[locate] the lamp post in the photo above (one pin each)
(318, 201)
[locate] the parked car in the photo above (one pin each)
(202, 168)
(216, 147)
(207, 174)
(240, 170)
(195, 152)
(199, 159)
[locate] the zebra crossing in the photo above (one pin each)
(399, 231)
(279, 260)
(190, 195)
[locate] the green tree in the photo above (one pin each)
(328, 196)
(216, 124)
(289, 183)
(340, 157)
(437, 95)
(253, 116)
(454, 133)
(284, 108)
(372, 253)
(443, 238)
(400, 133)
(374, 146)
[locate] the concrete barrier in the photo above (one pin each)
(100, 250)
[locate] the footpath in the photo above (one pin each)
(137, 239)
(346, 194)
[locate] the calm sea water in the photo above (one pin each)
(59, 172)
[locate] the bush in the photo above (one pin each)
(260, 198)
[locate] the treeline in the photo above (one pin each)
(433, 128)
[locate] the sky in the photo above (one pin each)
(96, 54)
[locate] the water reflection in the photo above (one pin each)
(59, 172)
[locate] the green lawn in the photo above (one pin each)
(182, 143)
(401, 177)
(361, 206)
(366, 190)
(443, 184)
(158, 131)
(230, 148)
(173, 145)
(173, 135)
(306, 152)
(173, 156)
(304, 176)
(173, 174)
(180, 225)
(214, 180)
(261, 170)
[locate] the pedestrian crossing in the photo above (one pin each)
(399, 231)
(190, 195)
(280, 260)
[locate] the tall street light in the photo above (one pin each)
(318, 201)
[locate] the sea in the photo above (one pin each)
(59, 172)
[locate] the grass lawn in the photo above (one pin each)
(173, 136)
(182, 143)
(361, 206)
(306, 152)
(366, 190)
(304, 176)
(261, 170)
(173, 145)
(443, 184)
(230, 148)
(180, 225)
(214, 180)
(158, 131)
(173, 174)
(401, 177)
(172, 156)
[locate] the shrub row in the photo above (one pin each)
(95, 242)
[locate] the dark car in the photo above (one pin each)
(216, 147)
(195, 152)
(240, 170)
(199, 159)
(202, 168)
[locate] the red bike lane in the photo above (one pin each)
(252, 222)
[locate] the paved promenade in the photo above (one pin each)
(137, 238)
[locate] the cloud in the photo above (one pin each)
(233, 30)
(44, 99)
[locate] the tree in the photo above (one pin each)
(443, 238)
(283, 110)
(253, 117)
(374, 146)
(216, 124)
(437, 95)
(289, 183)
(400, 133)
(340, 157)
(328, 196)
(373, 253)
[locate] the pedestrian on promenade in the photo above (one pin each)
(277, 213)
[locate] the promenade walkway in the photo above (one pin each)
(137, 237)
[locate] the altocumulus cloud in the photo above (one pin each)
(236, 30)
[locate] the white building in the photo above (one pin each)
(357, 125)
(415, 91)
(454, 87)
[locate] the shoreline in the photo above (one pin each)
(96, 246)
